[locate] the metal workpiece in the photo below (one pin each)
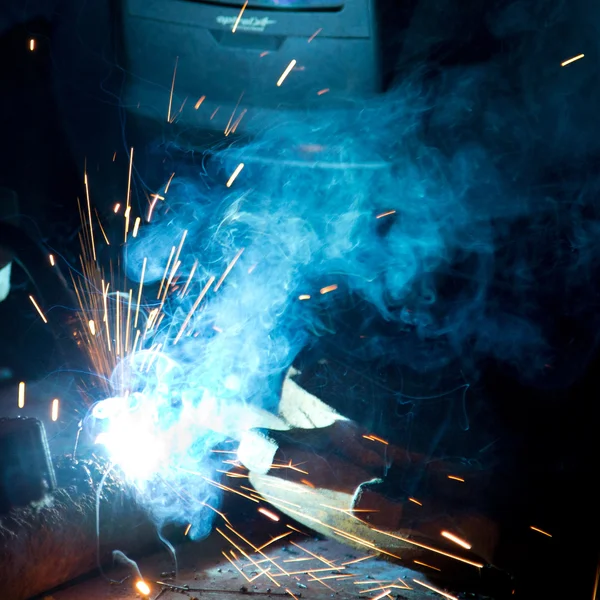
(350, 485)
(63, 525)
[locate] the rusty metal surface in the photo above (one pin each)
(316, 570)
(45, 544)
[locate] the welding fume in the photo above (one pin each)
(298, 299)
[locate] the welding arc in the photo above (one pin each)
(50, 286)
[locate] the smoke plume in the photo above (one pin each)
(460, 207)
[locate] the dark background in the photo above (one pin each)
(60, 108)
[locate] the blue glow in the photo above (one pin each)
(455, 164)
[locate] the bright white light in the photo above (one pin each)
(101, 439)
(109, 408)
(131, 437)
(232, 383)
(134, 447)
(143, 588)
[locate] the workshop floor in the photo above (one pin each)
(316, 569)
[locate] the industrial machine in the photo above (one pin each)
(233, 66)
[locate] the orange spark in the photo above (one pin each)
(137, 338)
(571, 60)
(224, 517)
(436, 590)
(228, 269)
(136, 226)
(142, 587)
(193, 309)
(382, 595)
(386, 214)
(314, 35)
(189, 279)
(286, 72)
(539, 531)
(237, 21)
(374, 438)
(234, 175)
(237, 122)
(346, 535)
(456, 540)
(92, 326)
(152, 205)
(31, 44)
(418, 562)
(105, 301)
(139, 298)
(357, 560)
(172, 89)
(329, 288)
(54, 411)
(127, 328)
(319, 558)
(313, 577)
(169, 182)
(291, 594)
(255, 549)
(116, 208)
(304, 297)
(127, 213)
(455, 478)
(118, 325)
(38, 309)
(323, 91)
(425, 547)
(388, 586)
(176, 262)
(21, 397)
(102, 228)
(303, 559)
(89, 207)
(289, 465)
(200, 101)
(268, 514)
(415, 501)
(164, 277)
(258, 550)
(228, 126)
(273, 540)
(236, 567)
(129, 178)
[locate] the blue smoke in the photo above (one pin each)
(492, 218)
